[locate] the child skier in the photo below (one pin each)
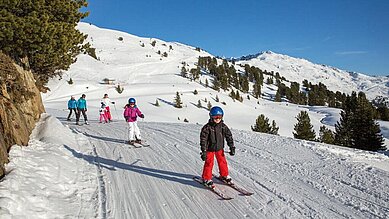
(212, 143)
(107, 102)
(131, 112)
(72, 106)
(103, 112)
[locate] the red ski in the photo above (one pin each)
(213, 189)
(234, 186)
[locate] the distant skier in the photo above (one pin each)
(81, 108)
(212, 144)
(131, 112)
(72, 106)
(107, 102)
(103, 111)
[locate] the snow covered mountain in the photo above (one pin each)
(89, 171)
(295, 69)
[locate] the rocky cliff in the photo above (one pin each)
(20, 106)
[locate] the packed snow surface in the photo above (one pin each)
(88, 171)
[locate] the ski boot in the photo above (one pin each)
(226, 179)
(208, 183)
(138, 141)
(132, 142)
(86, 123)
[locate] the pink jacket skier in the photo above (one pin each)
(131, 112)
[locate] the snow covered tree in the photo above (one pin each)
(304, 129)
(177, 101)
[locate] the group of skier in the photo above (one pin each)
(212, 136)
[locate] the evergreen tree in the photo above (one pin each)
(274, 128)
(209, 105)
(303, 129)
(367, 134)
(42, 35)
(206, 83)
(257, 90)
(177, 101)
(261, 124)
(344, 128)
(199, 104)
(277, 98)
(326, 135)
(184, 72)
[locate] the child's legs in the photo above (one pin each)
(208, 165)
(136, 131)
(222, 162)
(131, 131)
(101, 117)
(108, 113)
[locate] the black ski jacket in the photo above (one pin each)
(212, 136)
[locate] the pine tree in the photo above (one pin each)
(199, 104)
(43, 34)
(277, 98)
(274, 128)
(156, 102)
(303, 129)
(177, 101)
(326, 135)
(367, 134)
(261, 124)
(344, 128)
(184, 72)
(209, 106)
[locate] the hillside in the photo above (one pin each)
(88, 172)
(134, 64)
(297, 69)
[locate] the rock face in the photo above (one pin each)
(20, 106)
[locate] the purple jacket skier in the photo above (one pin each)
(131, 112)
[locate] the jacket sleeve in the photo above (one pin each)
(228, 136)
(69, 105)
(138, 112)
(204, 138)
(125, 112)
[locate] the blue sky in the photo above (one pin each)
(349, 34)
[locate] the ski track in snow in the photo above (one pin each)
(290, 178)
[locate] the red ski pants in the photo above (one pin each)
(208, 165)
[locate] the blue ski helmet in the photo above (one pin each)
(216, 111)
(131, 100)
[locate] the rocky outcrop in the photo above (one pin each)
(20, 106)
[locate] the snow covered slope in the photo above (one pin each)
(91, 173)
(295, 69)
(137, 67)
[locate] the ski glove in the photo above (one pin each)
(203, 156)
(232, 151)
(142, 116)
